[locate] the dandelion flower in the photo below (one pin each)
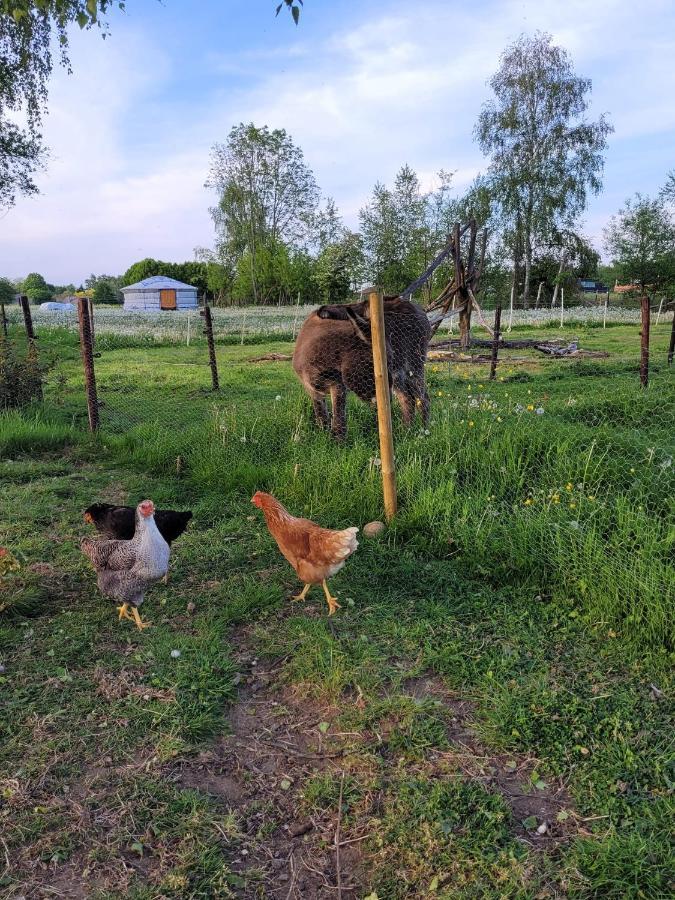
(480, 387)
(530, 407)
(440, 394)
(569, 486)
(528, 502)
(555, 498)
(471, 424)
(573, 506)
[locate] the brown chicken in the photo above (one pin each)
(315, 553)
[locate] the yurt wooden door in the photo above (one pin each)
(167, 299)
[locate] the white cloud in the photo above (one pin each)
(130, 146)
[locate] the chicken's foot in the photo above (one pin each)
(140, 624)
(123, 611)
(332, 601)
(302, 595)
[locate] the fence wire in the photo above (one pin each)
(558, 472)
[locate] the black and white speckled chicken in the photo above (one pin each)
(126, 569)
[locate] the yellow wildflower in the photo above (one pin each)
(530, 407)
(528, 502)
(573, 506)
(569, 486)
(499, 418)
(471, 424)
(556, 498)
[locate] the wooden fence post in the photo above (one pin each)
(383, 396)
(644, 343)
(4, 319)
(27, 318)
(495, 341)
(87, 351)
(208, 331)
(671, 348)
(90, 310)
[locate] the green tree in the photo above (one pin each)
(31, 31)
(545, 157)
(267, 196)
(404, 228)
(192, 272)
(7, 291)
(36, 288)
(641, 241)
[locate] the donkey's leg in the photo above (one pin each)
(320, 410)
(338, 396)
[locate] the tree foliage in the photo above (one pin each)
(192, 272)
(545, 157)
(31, 31)
(267, 198)
(7, 290)
(403, 228)
(36, 288)
(641, 241)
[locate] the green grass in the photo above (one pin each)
(529, 570)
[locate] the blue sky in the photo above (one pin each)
(362, 87)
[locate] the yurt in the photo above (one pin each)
(159, 292)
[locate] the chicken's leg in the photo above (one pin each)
(302, 595)
(332, 601)
(140, 624)
(123, 611)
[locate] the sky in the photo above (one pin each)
(362, 87)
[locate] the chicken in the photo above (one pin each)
(126, 569)
(315, 553)
(120, 522)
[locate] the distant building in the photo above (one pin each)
(160, 292)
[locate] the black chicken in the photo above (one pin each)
(119, 522)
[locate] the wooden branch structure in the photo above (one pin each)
(461, 291)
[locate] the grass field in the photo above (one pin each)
(489, 714)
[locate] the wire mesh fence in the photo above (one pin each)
(559, 470)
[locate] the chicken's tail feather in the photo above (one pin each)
(346, 542)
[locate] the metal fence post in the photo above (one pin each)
(671, 347)
(208, 331)
(383, 397)
(87, 351)
(644, 342)
(495, 341)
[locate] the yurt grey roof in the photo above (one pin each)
(159, 283)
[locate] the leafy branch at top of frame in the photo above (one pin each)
(293, 6)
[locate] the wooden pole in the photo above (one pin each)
(644, 343)
(208, 331)
(90, 310)
(383, 396)
(495, 342)
(27, 318)
(604, 315)
(671, 348)
(4, 319)
(87, 351)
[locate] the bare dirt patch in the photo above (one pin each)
(258, 771)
